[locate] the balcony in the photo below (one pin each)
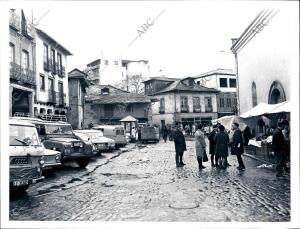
(161, 110)
(60, 71)
(184, 109)
(196, 110)
(22, 75)
(208, 109)
(52, 97)
(14, 20)
(46, 66)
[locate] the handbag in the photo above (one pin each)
(205, 158)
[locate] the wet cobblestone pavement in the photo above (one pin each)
(143, 184)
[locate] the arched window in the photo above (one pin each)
(254, 94)
(276, 93)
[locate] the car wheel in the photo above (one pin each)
(83, 163)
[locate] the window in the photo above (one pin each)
(208, 104)
(235, 101)
(12, 53)
(42, 82)
(228, 102)
(60, 93)
(52, 60)
(221, 102)
(46, 58)
(223, 82)
(184, 104)
(232, 83)
(254, 94)
(162, 106)
(25, 60)
(106, 62)
(196, 104)
(59, 64)
(129, 108)
(116, 62)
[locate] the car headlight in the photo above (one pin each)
(42, 161)
(57, 157)
(94, 147)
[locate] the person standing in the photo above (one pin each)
(222, 140)
(164, 133)
(278, 142)
(212, 146)
(200, 145)
(180, 145)
(286, 134)
(237, 146)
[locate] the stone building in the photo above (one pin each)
(264, 58)
(224, 80)
(52, 95)
(181, 100)
(105, 104)
(77, 91)
(22, 64)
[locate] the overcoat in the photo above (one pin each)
(179, 141)
(222, 141)
(278, 142)
(212, 143)
(200, 143)
(237, 146)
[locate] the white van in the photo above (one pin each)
(115, 132)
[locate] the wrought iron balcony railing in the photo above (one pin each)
(46, 66)
(62, 99)
(208, 109)
(161, 110)
(52, 97)
(184, 109)
(196, 110)
(23, 75)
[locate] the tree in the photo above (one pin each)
(135, 84)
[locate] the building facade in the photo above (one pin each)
(52, 91)
(263, 57)
(224, 80)
(105, 104)
(22, 64)
(104, 71)
(77, 91)
(181, 100)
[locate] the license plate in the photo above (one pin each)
(20, 182)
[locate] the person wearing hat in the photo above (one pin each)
(278, 142)
(180, 145)
(212, 146)
(237, 146)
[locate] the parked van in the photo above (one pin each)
(26, 155)
(115, 132)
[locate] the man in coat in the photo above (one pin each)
(164, 133)
(212, 146)
(222, 140)
(278, 142)
(200, 145)
(180, 145)
(237, 146)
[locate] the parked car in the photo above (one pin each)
(115, 132)
(97, 138)
(25, 155)
(84, 138)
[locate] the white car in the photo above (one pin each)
(99, 141)
(52, 160)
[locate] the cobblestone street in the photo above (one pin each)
(143, 184)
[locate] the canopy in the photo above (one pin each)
(264, 108)
(227, 122)
(283, 107)
(129, 118)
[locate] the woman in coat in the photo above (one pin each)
(222, 141)
(212, 146)
(180, 145)
(200, 145)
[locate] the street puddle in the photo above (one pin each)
(120, 176)
(184, 205)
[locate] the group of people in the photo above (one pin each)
(219, 144)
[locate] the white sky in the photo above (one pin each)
(186, 39)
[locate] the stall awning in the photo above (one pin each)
(129, 118)
(227, 122)
(264, 108)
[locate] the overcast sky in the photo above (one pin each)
(188, 38)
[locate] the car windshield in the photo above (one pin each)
(59, 129)
(94, 135)
(23, 136)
